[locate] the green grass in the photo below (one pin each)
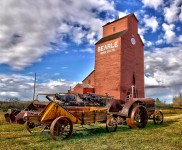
(156, 137)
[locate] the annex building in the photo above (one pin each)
(119, 61)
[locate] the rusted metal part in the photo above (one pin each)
(138, 117)
(124, 107)
(111, 124)
(115, 105)
(149, 103)
(60, 119)
(158, 117)
(11, 117)
(29, 126)
(7, 117)
(128, 106)
(33, 127)
(61, 127)
(37, 105)
(17, 116)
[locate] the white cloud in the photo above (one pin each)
(19, 86)
(151, 22)
(10, 94)
(122, 14)
(29, 30)
(169, 35)
(88, 50)
(164, 66)
(148, 23)
(141, 32)
(142, 37)
(90, 38)
(152, 3)
(163, 93)
(180, 38)
(180, 16)
(163, 69)
(151, 81)
(160, 41)
(149, 43)
(171, 13)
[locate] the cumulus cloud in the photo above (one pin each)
(19, 86)
(180, 38)
(29, 30)
(152, 3)
(160, 41)
(141, 32)
(165, 94)
(169, 34)
(151, 22)
(148, 43)
(147, 23)
(172, 13)
(122, 14)
(163, 67)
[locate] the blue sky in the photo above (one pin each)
(56, 40)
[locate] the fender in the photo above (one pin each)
(128, 105)
(115, 105)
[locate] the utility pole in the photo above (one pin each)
(34, 86)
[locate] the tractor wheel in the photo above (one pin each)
(138, 117)
(61, 128)
(158, 117)
(111, 124)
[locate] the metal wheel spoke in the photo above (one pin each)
(64, 128)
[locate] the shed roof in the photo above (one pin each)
(111, 37)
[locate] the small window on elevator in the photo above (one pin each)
(89, 81)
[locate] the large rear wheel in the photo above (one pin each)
(61, 128)
(138, 117)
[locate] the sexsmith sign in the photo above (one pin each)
(107, 48)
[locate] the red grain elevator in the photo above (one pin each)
(119, 60)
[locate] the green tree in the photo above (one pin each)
(177, 100)
(158, 101)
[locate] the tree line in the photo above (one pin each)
(176, 101)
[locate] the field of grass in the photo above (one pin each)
(156, 137)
